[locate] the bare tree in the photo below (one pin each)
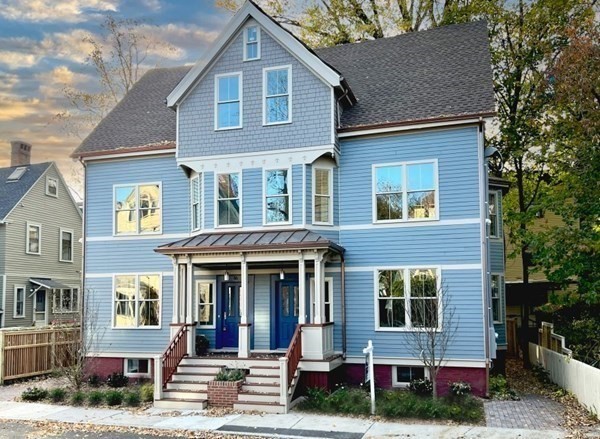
(434, 324)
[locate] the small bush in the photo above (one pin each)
(460, 389)
(34, 394)
(94, 380)
(132, 399)
(421, 387)
(57, 394)
(78, 398)
(499, 389)
(113, 397)
(541, 374)
(230, 375)
(95, 397)
(147, 393)
(116, 380)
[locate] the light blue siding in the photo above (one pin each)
(496, 255)
(124, 256)
(309, 206)
(209, 200)
(262, 311)
(297, 194)
(311, 107)
(252, 186)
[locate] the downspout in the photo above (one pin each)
(82, 301)
(343, 287)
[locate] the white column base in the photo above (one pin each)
(244, 341)
(317, 342)
(158, 378)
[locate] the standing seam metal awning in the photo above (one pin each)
(48, 283)
(298, 239)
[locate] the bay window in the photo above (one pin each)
(493, 214)
(196, 194)
(322, 197)
(277, 196)
(496, 297)
(229, 200)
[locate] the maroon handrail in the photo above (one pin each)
(176, 350)
(294, 353)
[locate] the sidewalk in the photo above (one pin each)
(299, 425)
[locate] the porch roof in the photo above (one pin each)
(224, 242)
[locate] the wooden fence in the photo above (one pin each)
(36, 351)
(549, 340)
(512, 342)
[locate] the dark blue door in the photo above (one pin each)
(286, 301)
(230, 316)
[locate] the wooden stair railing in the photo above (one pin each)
(176, 350)
(294, 354)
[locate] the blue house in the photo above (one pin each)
(289, 205)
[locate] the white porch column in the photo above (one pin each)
(244, 327)
(302, 290)
(175, 318)
(189, 316)
(319, 316)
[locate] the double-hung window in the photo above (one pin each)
(205, 304)
(229, 200)
(19, 302)
(405, 191)
(327, 299)
(137, 300)
(496, 297)
(493, 214)
(228, 101)
(65, 301)
(252, 43)
(34, 239)
(277, 196)
(66, 245)
(322, 198)
(51, 187)
(408, 298)
(277, 91)
(138, 209)
(196, 201)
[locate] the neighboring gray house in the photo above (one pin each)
(40, 244)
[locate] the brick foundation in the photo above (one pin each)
(223, 393)
(103, 367)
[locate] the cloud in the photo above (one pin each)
(12, 108)
(8, 81)
(153, 5)
(53, 82)
(71, 46)
(16, 60)
(67, 11)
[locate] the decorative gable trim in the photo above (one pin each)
(291, 43)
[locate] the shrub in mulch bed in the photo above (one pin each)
(147, 392)
(113, 397)
(78, 398)
(57, 394)
(132, 399)
(393, 404)
(34, 394)
(95, 397)
(117, 379)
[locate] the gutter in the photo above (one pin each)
(83, 296)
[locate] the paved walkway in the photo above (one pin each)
(531, 412)
(290, 425)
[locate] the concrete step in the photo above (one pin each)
(192, 368)
(262, 379)
(264, 407)
(187, 385)
(190, 395)
(181, 404)
(261, 388)
(265, 371)
(258, 397)
(194, 377)
(230, 362)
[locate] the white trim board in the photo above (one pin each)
(394, 361)
(112, 274)
(416, 126)
(371, 268)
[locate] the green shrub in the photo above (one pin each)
(57, 394)
(94, 380)
(78, 398)
(230, 375)
(499, 389)
(132, 399)
(116, 380)
(95, 397)
(113, 397)
(541, 374)
(147, 392)
(34, 394)
(460, 389)
(421, 387)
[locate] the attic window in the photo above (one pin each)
(251, 43)
(51, 187)
(17, 173)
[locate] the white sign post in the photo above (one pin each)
(369, 373)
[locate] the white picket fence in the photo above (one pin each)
(579, 378)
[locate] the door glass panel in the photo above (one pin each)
(285, 300)
(230, 302)
(296, 300)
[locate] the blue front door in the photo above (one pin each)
(230, 316)
(286, 302)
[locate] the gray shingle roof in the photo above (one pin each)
(435, 74)
(141, 118)
(439, 73)
(11, 192)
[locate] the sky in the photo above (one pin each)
(42, 51)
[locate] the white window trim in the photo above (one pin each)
(264, 196)
(496, 196)
(48, 178)
(311, 287)
(216, 199)
(240, 76)
(264, 95)
(258, 43)
(15, 288)
(160, 206)
(60, 244)
(213, 325)
(39, 226)
(314, 173)
(136, 375)
(60, 292)
(199, 176)
(137, 292)
(396, 383)
(406, 273)
(500, 297)
(404, 165)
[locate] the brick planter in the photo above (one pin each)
(223, 393)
